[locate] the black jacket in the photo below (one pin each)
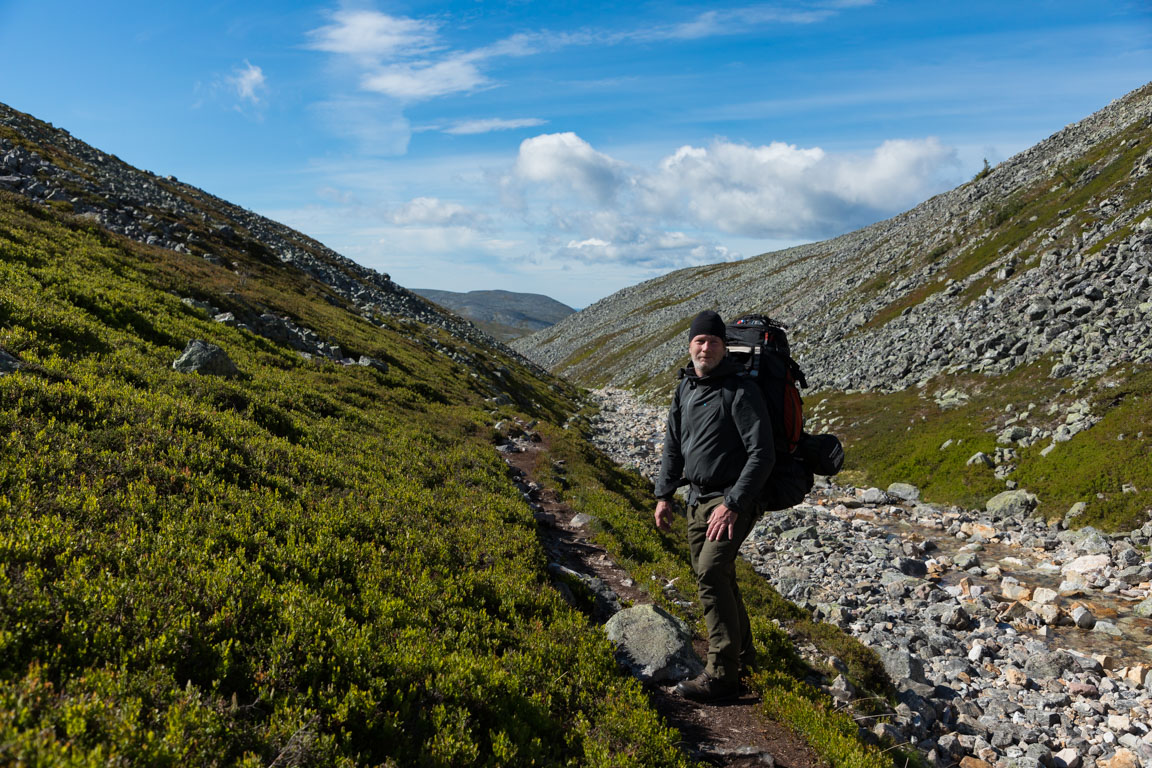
(717, 451)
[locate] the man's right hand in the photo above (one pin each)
(663, 515)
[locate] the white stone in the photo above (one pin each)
(1119, 723)
(1087, 564)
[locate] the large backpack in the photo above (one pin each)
(759, 347)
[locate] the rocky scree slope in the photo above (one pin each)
(49, 165)
(1047, 255)
(1010, 642)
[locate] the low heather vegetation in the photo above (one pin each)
(307, 563)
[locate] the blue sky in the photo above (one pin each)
(570, 149)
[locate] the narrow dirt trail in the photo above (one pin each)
(735, 734)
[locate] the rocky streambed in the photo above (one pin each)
(1011, 642)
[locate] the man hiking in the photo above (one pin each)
(723, 448)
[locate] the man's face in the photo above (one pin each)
(707, 351)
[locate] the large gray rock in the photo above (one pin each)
(1143, 609)
(901, 665)
(1010, 503)
(653, 644)
(1050, 665)
(8, 363)
(910, 566)
(904, 491)
(204, 358)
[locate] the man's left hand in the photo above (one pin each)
(721, 524)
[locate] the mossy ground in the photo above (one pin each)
(322, 564)
(308, 564)
(901, 437)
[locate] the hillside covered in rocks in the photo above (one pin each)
(1010, 641)
(996, 335)
(1046, 255)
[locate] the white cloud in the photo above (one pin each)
(598, 209)
(425, 80)
(565, 163)
(781, 190)
(405, 58)
(371, 35)
(248, 82)
(651, 249)
(465, 127)
(430, 211)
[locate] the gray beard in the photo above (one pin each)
(704, 371)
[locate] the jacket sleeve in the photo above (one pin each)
(750, 415)
(672, 461)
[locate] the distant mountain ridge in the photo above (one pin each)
(504, 315)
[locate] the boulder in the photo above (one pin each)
(1050, 665)
(981, 530)
(1012, 434)
(371, 362)
(8, 363)
(1087, 564)
(911, 567)
(1010, 503)
(1123, 758)
(206, 359)
(965, 560)
(980, 458)
(1076, 510)
(1092, 543)
(904, 491)
(1143, 609)
(900, 665)
(653, 645)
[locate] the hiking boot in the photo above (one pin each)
(705, 688)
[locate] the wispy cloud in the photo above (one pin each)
(373, 36)
(248, 83)
(407, 59)
(425, 80)
(433, 212)
(465, 127)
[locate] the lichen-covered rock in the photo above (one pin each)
(653, 645)
(206, 359)
(1010, 503)
(8, 363)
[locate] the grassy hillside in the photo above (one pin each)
(309, 564)
(306, 564)
(909, 437)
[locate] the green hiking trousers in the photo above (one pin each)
(714, 563)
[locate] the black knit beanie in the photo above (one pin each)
(710, 323)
